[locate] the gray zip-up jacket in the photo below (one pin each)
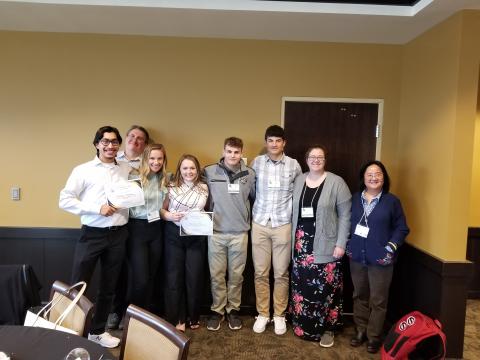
(231, 212)
(332, 221)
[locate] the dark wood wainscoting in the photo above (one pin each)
(421, 281)
(473, 254)
(435, 287)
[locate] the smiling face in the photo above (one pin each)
(188, 171)
(232, 156)
(316, 160)
(155, 160)
(136, 141)
(275, 146)
(373, 178)
(108, 147)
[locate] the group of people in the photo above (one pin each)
(301, 227)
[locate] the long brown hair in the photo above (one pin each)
(145, 168)
(177, 180)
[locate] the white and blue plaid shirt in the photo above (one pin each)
(274, 203)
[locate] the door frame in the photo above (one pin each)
(380, 102)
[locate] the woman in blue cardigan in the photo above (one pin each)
(378, 228)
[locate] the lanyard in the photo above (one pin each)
(305, 190)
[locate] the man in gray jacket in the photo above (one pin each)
(231, 184)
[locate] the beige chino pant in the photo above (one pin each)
(271, 246)
(227, 251)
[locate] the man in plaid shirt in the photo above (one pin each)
(271, 228)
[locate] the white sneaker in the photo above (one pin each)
(260, 324)
(280, 325)
(105, 340)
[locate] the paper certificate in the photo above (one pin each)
(125, 194)
(197, 223)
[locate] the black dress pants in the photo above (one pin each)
(144, 253)
(184, 262)
(108, 246)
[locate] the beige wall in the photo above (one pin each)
(435, 141)
(474, 220)
(57, 89)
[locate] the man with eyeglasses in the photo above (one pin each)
(137, 139)
(103, 233)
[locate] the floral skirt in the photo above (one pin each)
(316, 289)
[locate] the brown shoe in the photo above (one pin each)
(373, 346)
(358, 339)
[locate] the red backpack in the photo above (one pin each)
(415, 336)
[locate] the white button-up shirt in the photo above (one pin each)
(84, 193)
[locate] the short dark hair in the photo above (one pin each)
(103, 130)
(142, 129)
(386, 178)
(233, 142)
(275, 131)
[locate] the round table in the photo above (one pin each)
(25, 343)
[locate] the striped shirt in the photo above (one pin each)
(274, 188)
(186, 198)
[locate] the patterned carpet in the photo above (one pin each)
(245, 344)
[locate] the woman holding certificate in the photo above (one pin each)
(320, 226)
(145, 245)
(184, 255)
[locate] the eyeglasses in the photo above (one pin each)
(316, 158)
(377, 175)
(106, 142)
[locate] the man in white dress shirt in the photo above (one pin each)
(103, 232)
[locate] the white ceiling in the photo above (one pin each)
(239, 19)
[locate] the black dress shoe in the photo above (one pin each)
(373, 346)
(358, 339)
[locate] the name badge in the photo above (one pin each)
(361, 230)
(233, 188)
(274, 183)
(307, 212)
(153, 216)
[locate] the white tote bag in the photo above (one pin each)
(40, 319)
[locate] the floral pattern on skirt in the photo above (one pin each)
(316, 289)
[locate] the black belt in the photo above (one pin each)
(103, 229)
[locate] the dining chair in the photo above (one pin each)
(80, 317)
(149, 337)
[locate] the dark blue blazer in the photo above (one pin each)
(386, 222)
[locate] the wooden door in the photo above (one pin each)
(348, 130)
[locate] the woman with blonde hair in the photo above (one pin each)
(145, 241)
(184, 255)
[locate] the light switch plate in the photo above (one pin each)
(15, 193)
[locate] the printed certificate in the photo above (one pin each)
(125, 194)
(197, 223)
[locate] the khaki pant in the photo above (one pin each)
(271, 246)
(227, 251)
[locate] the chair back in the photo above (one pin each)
(79, 319)
(148, 337)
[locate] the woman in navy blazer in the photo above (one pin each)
(378, 228)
